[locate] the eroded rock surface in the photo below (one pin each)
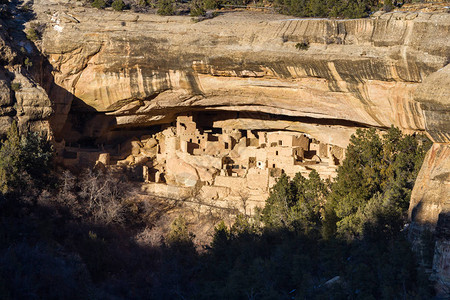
(434, 98)
(21, 97)
(430, 212)
(144, 69)
(429, 209)
(132, 71)
(431, 194)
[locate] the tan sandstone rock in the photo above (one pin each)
(431, 194)
(181, 173)
(144, 73)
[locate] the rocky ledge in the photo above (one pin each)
(143, 70)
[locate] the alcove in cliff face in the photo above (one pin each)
(147, 71)
(136, 73)
(84, 125)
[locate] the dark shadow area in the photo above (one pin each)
(443, 226)
(206, 118)
(89, 237)
(415, 210)
(48, 253)
(17, 14)
(86, 126)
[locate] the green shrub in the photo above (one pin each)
(211, 4)
(32, 34)
(333, 8)
(24, 161)
(302, 46)
(28, 7)
(197, 9)
(388, 6)
(16, 86)
(100, 4)
(179, 236)
(141, 3)
(166, 8)
(28, 63)
(118, 5)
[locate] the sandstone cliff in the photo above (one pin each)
(430, 200)
(143, 69)
(116, 72)
(431, 195)
(21, 97)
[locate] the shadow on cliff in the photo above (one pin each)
(30, 62)
(18, 13)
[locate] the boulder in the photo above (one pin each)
(127, 161)
(104, 158)
(150, 143)
(181, 173)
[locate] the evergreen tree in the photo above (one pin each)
(10, 160)
(276, 213)
(24, 159)
(377, 177)
(311, 193)
(166, 7)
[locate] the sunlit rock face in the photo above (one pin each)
(431, 193)
(429, 211)
(430, 200)
(144, 69)
(434, 97)
(115, 72)
(21, 98)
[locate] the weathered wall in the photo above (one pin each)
(431, 194)
(142, 69)
(430, 200)
(21, 98)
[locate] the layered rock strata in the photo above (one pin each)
(21, 97)
(321, 77)
(429, 208)
(142, 70)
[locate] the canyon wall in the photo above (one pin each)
(21, 97)
(322, 77)
(108, 73)
(142, 70)
(429, 208)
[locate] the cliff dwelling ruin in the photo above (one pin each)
(220, 164)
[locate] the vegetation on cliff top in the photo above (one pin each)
(75, 237)
(299, 8)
